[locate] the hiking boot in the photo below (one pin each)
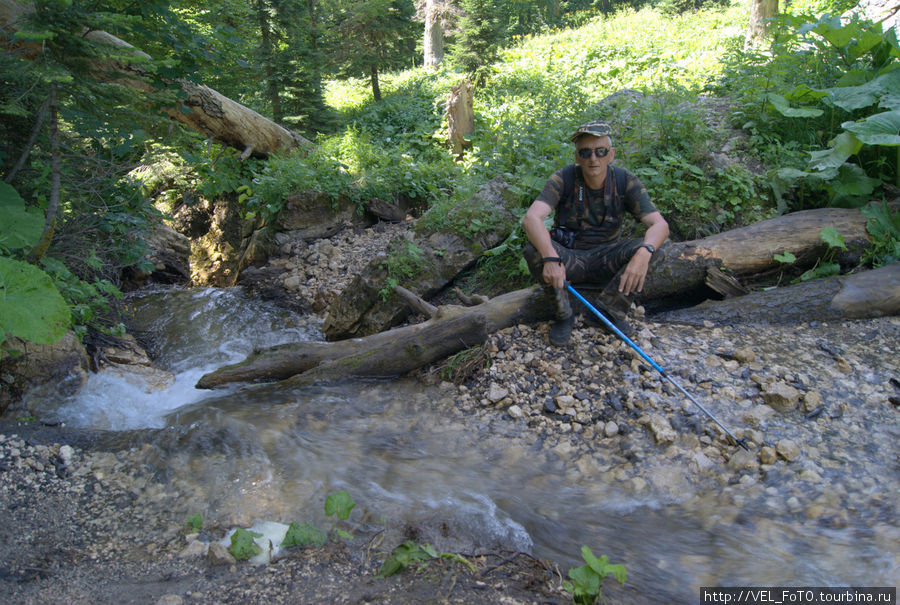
(561, 330)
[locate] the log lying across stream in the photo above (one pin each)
(711, 264)
(391, 353)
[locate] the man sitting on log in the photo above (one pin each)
(590, 199)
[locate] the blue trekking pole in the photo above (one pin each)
(655, 365)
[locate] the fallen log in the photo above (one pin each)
(694, 269)
(384, 354)
(452, 328)
(862, 295)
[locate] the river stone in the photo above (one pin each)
(219, 555)
(811, 400)
(195, 548)
(788, 450)
(758, 415)
(700, 462)
(496, 393)
(515, 411)
(662, 430)
(781, 396)
(611, 429)
(768, 455)
(741, 460)
(745, 355)
(565, 403)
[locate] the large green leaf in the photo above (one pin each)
(843, 146)
(783, 107)
(879, 129)
(850, 98)
(833, 30)
(30, 305)
(20, 227)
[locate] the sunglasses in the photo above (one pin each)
(586, 152)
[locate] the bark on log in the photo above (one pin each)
(749, 252)
(385, 354)
(203, 110)
(861, 295)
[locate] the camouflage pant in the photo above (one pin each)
(600, 266)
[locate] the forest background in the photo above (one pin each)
(89, 166)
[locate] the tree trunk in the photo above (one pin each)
(749, 252)
(37, 253)
(376, 87)
(761, 11)
(265, 32)
(680, 269)
(203, 109)
(460, 117)
(433, 44)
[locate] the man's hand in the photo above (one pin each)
(555, 274)
(635, 273)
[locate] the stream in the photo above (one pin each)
(245, 455)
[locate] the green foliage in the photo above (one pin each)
(243, 546)
(701, 200)
(339, 504)
(377, 35)
(480, 35)
(304, 534)
(21, 226)
(89, 301)
(30, 306)
(586, 581)
(831, 87)
(411, 554)
(825, 265)
(884, 228)
(194, 523)
(404, 262)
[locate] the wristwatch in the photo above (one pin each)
(649, 247)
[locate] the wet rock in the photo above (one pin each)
(767, 455)
(661, 429)
(745, 355)
(611, 429)
(788, 450)
(781, 396)
(497, 393)
(811, 401)
(219, 555)
(758, 415)
(742, 460)
(565, 403)
(195, 548)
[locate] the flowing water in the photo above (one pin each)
(265, 453)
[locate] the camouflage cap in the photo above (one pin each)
(595, 128)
